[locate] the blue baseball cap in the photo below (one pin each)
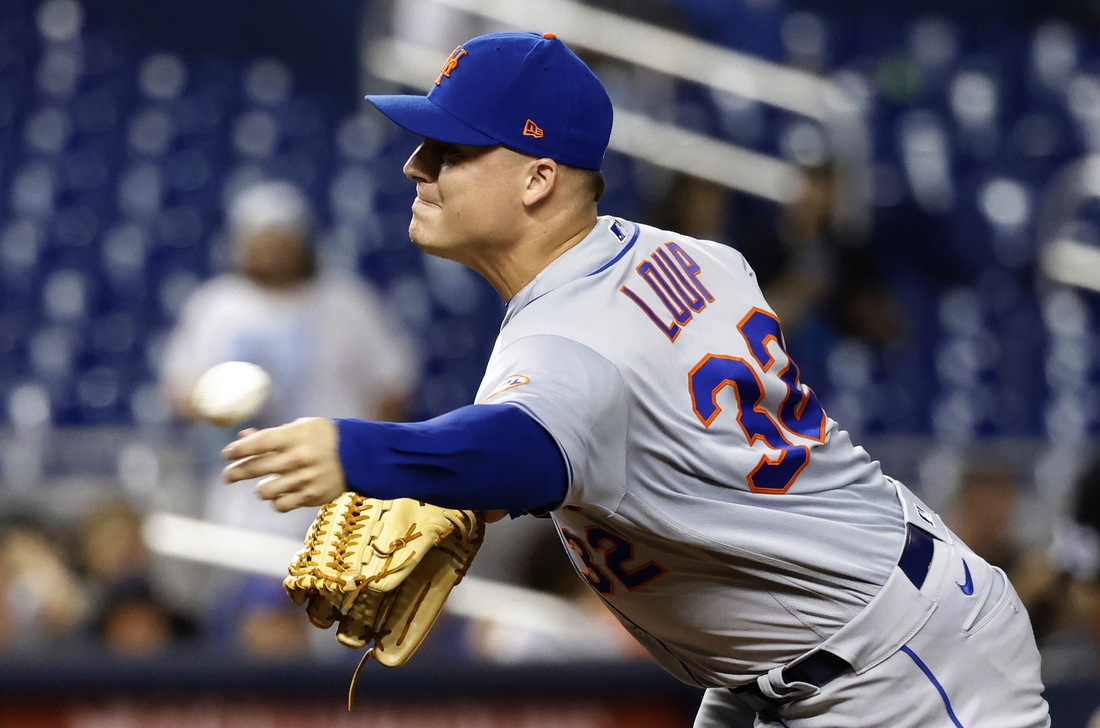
(526, 91)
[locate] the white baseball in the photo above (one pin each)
(230, 392)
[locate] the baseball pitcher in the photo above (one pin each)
(640, 394)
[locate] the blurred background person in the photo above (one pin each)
(824, 286)
(258, 620)
(1086, 568)
(269, 627)
(110, 547)
(1061, 588)
(134, 622)
(325, 338)
(984, 515)
(42, 599)
(129, 616)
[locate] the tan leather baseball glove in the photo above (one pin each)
(382, 569)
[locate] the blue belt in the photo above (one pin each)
(822, 667)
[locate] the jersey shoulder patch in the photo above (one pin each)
(510, 382)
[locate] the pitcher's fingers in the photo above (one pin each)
(257, 442)
(273, 463)
(273, 486)
(290, 501)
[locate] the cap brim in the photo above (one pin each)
(422, 116)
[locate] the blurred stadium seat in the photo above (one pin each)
(119, 162)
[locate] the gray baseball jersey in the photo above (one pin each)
(724, 518)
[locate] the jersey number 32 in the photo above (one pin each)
(799, 413)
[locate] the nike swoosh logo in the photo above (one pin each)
(968, 585)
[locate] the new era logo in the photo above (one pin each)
(532, 129)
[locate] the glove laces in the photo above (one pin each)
(355, 677)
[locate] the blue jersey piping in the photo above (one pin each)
(601, 269)
(936, 683)
(624, 251)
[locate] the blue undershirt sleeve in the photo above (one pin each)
(479, 457)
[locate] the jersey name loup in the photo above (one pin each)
(673, 276)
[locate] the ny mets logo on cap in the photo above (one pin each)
(450, 64)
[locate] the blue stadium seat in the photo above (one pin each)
(125, 177)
